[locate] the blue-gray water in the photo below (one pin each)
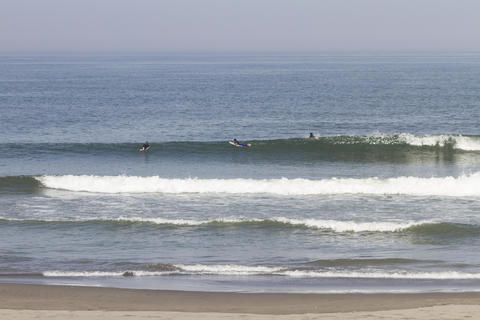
(386, 199)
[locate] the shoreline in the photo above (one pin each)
(76, 298)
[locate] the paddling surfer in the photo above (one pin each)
(145, 146)
(238, 144)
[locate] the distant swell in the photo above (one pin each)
(466, 185)
(18, 184)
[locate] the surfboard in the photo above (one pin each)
(240, 145)
(142, 149)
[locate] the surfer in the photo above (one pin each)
(145, 146)
(238, 144)
(312, 136)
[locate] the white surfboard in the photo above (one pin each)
(239, 145)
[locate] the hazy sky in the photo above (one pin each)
(239, 25)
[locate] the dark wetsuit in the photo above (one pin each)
(235, 141)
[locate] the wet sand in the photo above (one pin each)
(22, 301)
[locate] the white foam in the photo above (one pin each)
(74, 274)
(352, 226)
(178, 222)
(233, 270)
(238, 270)
(228, 269)
(466, 185)
(185, 222)
(457, 141)
(81, 274)
(442, 275)
(334, 225)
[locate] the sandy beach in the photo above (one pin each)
(21, 301)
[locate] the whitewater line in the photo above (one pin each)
(238, 270)
(466, 185)
(320, 224)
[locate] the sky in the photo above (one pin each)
(238, 25)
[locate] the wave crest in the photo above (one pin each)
(427, 228)
(466, 185)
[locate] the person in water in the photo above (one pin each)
(238, 144)
(312, 136)
(145, 146)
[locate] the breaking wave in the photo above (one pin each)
(416, 227)
(454, 141)
(467, 143)
(239, 270)
(465, 185)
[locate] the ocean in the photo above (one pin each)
(387, 199)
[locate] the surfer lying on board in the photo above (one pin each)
(145, 146)
(313, 137)
(238, 144)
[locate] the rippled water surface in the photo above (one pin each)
(386, 199)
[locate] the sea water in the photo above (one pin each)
(387, 199)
